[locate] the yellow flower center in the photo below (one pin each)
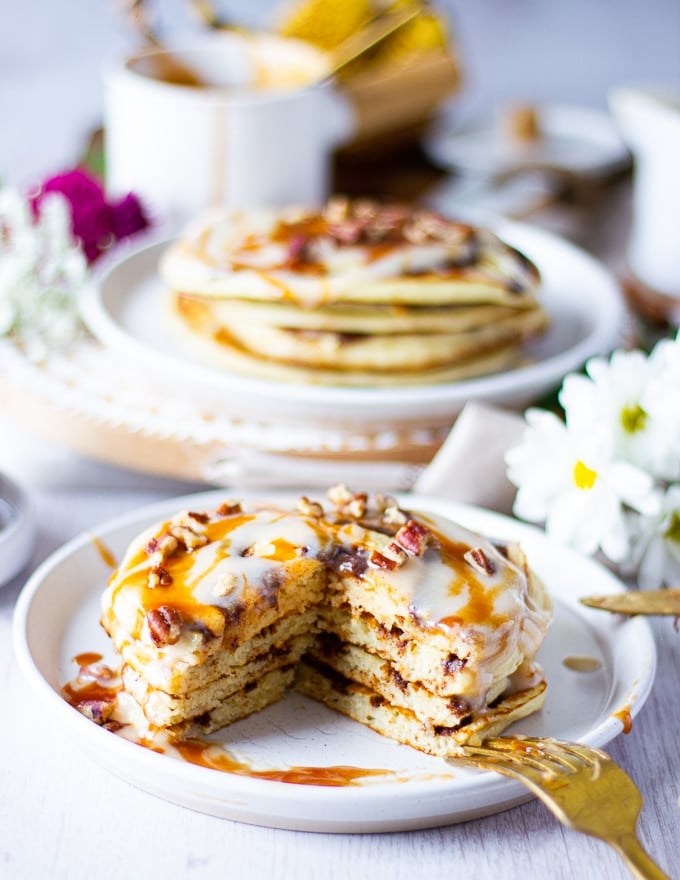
(584, 477)
(673, 530)
(633, 419)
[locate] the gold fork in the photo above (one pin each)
(582, 786)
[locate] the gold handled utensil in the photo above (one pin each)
(662, 602)
(582, 786)
(383, 25)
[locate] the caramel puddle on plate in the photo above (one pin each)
(579, 663)
(97, 693)
(206, 754)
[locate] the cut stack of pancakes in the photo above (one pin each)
(357, 293)
(405, 622)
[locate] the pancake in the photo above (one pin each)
(348, 252)
(224, 351)
(394, 352)
(403, 621)
(381, 319)
(355, 294)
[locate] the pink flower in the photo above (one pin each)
(95, 222)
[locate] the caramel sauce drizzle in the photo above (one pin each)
(206, 754)
(106, 555)
(87, 658)
(94, 682)
(480, 607)
(97, 683)
(626, 719)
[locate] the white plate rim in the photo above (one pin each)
(175, 778)
(606, 318)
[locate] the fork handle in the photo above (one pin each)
(637, 859)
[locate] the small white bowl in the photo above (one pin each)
(17, 529)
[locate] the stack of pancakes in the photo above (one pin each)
(357, 293)
(407, 623)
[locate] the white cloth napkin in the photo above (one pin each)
(470, 465)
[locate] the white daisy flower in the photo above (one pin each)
(569, 480)
(656, 544)
(626, 401)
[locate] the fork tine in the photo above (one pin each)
(506, 757)
(543, 754)
(587, 753)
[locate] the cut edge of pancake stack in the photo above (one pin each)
(357, 293)
(405, 622)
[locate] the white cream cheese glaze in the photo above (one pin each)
(257, 255)
(497, 618)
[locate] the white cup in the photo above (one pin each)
(257, 127)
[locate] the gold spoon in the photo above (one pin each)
(661, 602)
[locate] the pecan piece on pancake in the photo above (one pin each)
(188, 528)
(162, 546)
(99, 711)
(393, 556)
(159, 577)
(309, 508)
(351, 504)
(414, 537)
(227, 583)
(165, 625)
(229, 508)
(477, 559)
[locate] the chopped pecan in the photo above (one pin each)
(165, 625)
(394, 515)
(188, 536)
(379, 560)
(309, 508)
(339, 495)
(397, 552)
(195, 517)
(478, 559)
(260, 548)
(227, 583)
(159, 577)
(162, 546)
(229, 508)
(393, 556)
(99, 711)
(357, 506)
(413, 537)
(352, 504)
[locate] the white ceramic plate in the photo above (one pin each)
(57, 618)
(125, 309)
(577, 140)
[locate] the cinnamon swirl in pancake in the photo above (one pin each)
(403, 621)
(362, 292)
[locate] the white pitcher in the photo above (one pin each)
(649, 120)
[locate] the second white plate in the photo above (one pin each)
(125, 308)
(57, 618)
